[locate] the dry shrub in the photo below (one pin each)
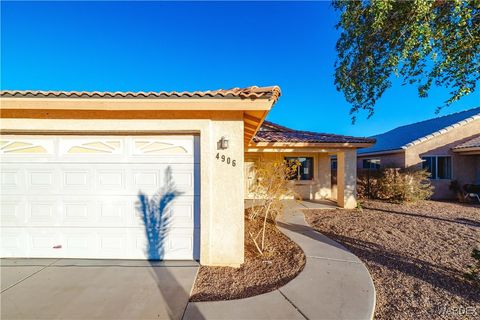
(272, 185)
(395, 185)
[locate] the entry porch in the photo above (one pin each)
(314, 180)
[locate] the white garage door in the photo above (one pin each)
(80, 197)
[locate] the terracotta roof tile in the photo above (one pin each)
(271, 132)
(472, 143)
(253, 92)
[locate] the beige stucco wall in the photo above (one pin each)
(221, 185)
(347, 179)
(386, 160)
(317, 189)
(441, 145)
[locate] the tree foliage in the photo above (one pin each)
(423, 42)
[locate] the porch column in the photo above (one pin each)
(324, 176)
(347, 179)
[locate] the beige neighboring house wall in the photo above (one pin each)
(395, 159)
(464, 167)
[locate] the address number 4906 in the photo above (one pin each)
(228, 160)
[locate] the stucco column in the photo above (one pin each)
(222, 231)
(347, 179)
(324, 176)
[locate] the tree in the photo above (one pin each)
(423, 42)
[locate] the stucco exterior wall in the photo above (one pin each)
(221, 184)
(464, 167)
(441, 145)
(386, 160)
(347, 179)
(317, 189)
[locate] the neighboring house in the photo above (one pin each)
(86, 174)
(448, 147)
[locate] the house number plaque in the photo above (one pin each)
(228, 160)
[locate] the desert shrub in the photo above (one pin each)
(395, 185)
(367, 183)
(272, 185)
(474, 269)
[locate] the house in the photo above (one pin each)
(86, 174)
(314, 151)
(447, 146)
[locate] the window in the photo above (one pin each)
(333, 164)
(371, 164)
(305, 169)
(439, 167)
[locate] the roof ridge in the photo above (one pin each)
(443, 130)
(252, 92)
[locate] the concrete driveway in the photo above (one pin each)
(95, 289)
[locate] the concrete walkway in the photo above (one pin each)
(334, 284)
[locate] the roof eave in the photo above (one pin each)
(115, 104)
(466, 150)
(442, 131)
(309, 145)
(382, 152)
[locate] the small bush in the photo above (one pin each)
(474, 269)
(395, 185)
(272, 185)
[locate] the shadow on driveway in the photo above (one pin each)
(96, 289)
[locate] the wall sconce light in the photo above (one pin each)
(223, 143)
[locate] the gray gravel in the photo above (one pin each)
(416, 253)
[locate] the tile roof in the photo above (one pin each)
(472, 143)
(253, 92)
(409, 135)
(271, 132)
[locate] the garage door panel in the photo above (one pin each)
(12, 210)
(42, 180)
(41, 211)
(14, 242)
(44, 242)
(130, 179)
(178, 243)
(77, 179)
(179, 213)
(178, 178)
(78, 212)
(78, 197)
(12, 180)
(110, 180)
(100, 211)
(79, 243)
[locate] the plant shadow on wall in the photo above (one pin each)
(156, 215)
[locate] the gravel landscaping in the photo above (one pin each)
(417, 255)
(282, 261)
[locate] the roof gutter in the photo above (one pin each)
(378, 153)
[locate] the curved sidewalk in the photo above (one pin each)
(334, 284)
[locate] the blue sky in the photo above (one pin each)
(155, 46)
